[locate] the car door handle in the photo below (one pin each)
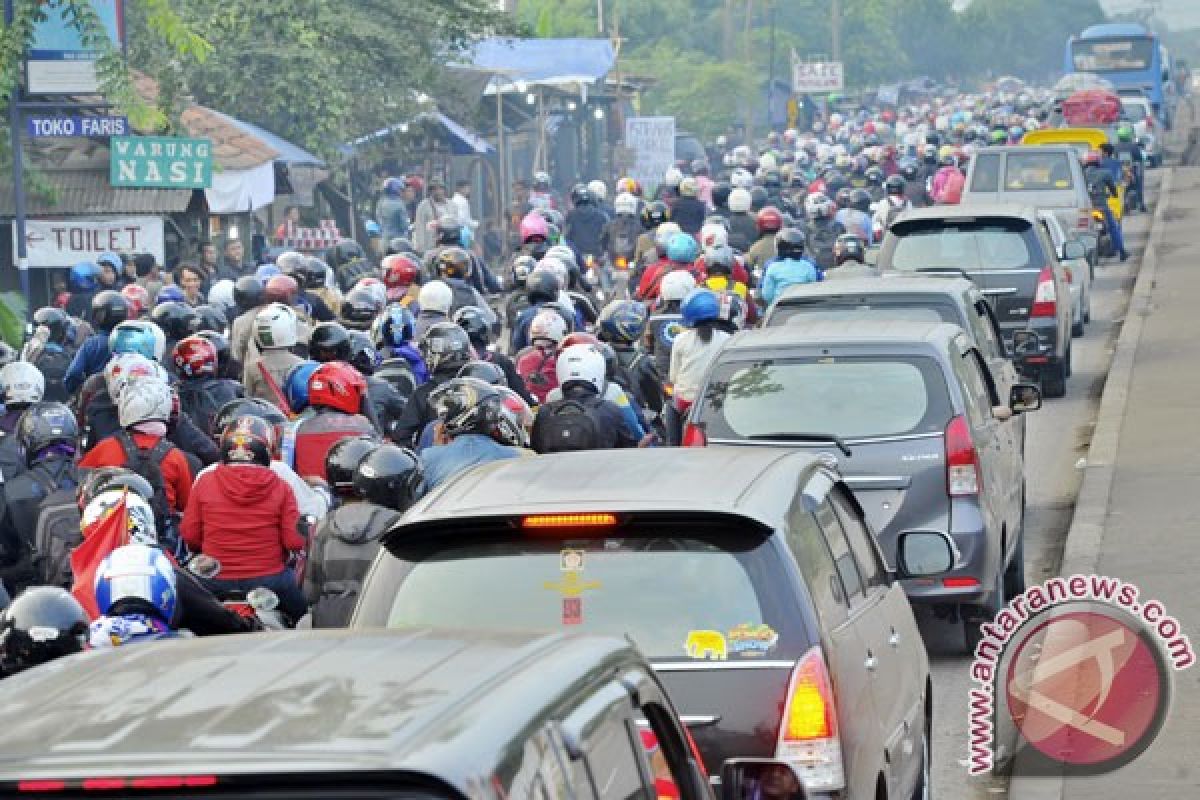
(871, 662)
(894, 639)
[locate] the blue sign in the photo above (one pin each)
(58, 60)
(53, 127)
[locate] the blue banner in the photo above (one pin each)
(53, 127)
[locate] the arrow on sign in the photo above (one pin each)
(32, 238)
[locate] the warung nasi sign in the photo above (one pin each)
(160, 162)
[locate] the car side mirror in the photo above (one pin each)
(755, 778)
(924, 554)
(1073, 250)
(1024, 342)
(1024, 397)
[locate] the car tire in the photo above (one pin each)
(1077, 320)
(1054, 381)
(924, 788)
(1014, 575)
(974, 616)
(1087, 308)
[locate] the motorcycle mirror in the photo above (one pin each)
(262, 599)
(204, 566)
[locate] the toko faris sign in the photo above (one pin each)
(160, 162)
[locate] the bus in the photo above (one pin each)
(1130, 56)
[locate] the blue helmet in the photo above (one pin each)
(623, 321)
(683, 249)
(170, 294)
(701, 305)
(295, 385)
(395, 326)
(133, 337)
(138, 577)
(373, 229)
(266, 271)
(84, 277)
(112, 259)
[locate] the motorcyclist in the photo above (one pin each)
(893, 205)
(855, 216)
(83, 280)
(624, 232)
(385, 402)
(582, 419)
(276, 332)
(349, 263)
(401, 277)
(250, 296)
(479, 332)
(653, 215)
(455, 268)
(337, 394)
(1128, 147)
(623, 326)
(393, 334)
(50, 350)
(791, 267)
(1101, 186)
(474, 426)
(692, 353)
(43, 623)
(586, 224)
(542, 288)
(201, 392)
(947, 183)
(742, 228)
(535, 363)
(689, 210)
(850, 256)
(821, 230)
(445, 348)
(136, 596)
(666, 320)
(768, 222)
(682, 252)
(107, 308)
(656, 260)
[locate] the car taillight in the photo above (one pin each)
(808, 734)
(1045, 299)
(1083, 222)
(960, 583)
(962, 461)
(151, 783)
(693, 436)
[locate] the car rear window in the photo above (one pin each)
(1037, 171)
(854, 397)
(967, 245)
(678, 595)
(840, 309)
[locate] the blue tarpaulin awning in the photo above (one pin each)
(463, 142)
(543, 62)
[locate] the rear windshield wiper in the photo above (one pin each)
(804, 437)
(944, 271)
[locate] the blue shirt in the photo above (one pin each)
(91, 358)
(784, 272)
(444, 461)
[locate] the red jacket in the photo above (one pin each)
(176, 472)
(245, 517)
(317, 435)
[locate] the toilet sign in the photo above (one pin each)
(66, 242)
(160, 162)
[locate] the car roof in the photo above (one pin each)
(746, 482)
(1027, 148)
(887, 283)
(434, 703)
(891, 335)
(969, 210)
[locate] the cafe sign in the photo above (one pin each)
(160, 162)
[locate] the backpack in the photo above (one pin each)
(202, 399)
(564, 427)
(148, 464)
(57, 531)
(53, 365)
(537, 368)
(821, 239)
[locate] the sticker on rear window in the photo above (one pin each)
(571, 585)
(706, 646)
(572, 611)
(752, 640)
(570, 560)
(1061, 184)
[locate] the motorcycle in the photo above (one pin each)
(260, 603)
(1104, 241)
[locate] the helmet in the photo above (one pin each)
(740, 201)
(209, 318)
(720, 194)
(338, 386)
(342, 460)
(470, 405)
(629, 185)
(998, 136)
(655, 214)
(713, 234)
(395, 326)
(436, 296)
(195, 357)
(484, 371)
(818, 206)
(598, 190)
(842, 197)
(144, 401)
(676, 284)
(578, 337)
(547, 325)
(247, 440)
(221, 345)
(108, 308)
(175, 319)
(520, 268)
(108, 479)
(83, 277)
(769, 220)
(682, 248)
(860, 199)
(393, 186)
(21, 383)
(454, 262)
(445, 348)
(289, 261)
(399, 272)
(43, 623)
(541, 286)
(136, 578)
(170, 294)
(688, 187)
(874, 176)
(221, 294)
(581, 363)
(137, 299)
(363, 355)
(345, 251)
(449, 231)
(623, 321)
(563, 253)
(311, 273)
(55, 321)
(1124, 133)
(124, 367)
(295, 385)
(664, 234)
(1092, 158)
(580, 196)
(742, 179)
(250, 406)
(789, 243)
(472, 320)
(534, 226)
(391, 477)
(895, 185)
(700, 305)
(758, 198)
(541, 180)
(673, 177)
(719, 261)
(281, 289)
(275, 327)
(248, 293)
(625, 203)
(329, 342)
(265, 272)
(44, 425)
(848, 247)
(360, 306)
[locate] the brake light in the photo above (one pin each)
(544, 521)
(41, 786)
(962, 461)
(959, 583)
(1045, 299)
(693, 436)
(111, 784)
(1083, 222)
(808, 734)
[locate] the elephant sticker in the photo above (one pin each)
(706, 645)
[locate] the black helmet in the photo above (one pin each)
(772, 179)
(364, 357)
(43, 623)
(758, 198)
(399, 375)
(360, 306)
(399, 244)
(219, 341)
(860, 200)
(472, 320)
(720, 195)
(541, 286)
(55, 321)
(719, 261)
(103, 479)
(247, 439)
(909, 170)
(580, 196)
(343, 459)
(842, 197)
(311, 273)
(329, 342)
(449, 231)
(108, 308)
(655, 214)
(454, 262)
(485, 371)
(874, 175)
(469, 405)
(344, 252)
(248, 293)
(895, 184)
(250, 406)
(848, 247)
(43, 425)
(209, 318)
(175, 319)
(390, 476)
(789, 243)
(445, 348)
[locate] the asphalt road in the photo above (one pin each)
(1057, 438)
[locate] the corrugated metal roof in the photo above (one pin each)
(88, 192)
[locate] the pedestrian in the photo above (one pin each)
(149, 274)
(233, 264)
(190, 278)
(429, 211)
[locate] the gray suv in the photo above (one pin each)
(911, 416)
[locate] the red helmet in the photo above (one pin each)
(399, 271)
(769, 220)
(195, 357)
(337, 385)
(137, 298)
(579, 337)
(281, 289)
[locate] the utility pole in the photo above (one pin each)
(600, 17)
(835, 27)
(747, 56)
(771, 67)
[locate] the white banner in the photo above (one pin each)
(816, 77)
(652, 139)
(66, 242)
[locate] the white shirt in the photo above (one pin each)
(690, 359)
(462, 210)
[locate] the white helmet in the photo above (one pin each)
(22, 382)
(598, 190)
(563, 253)
(740, 201)
(553, 264)
(581, 363)
(376, 287)
(664, 232)
(767, 161)
(742, 179)
(144, 401)
(221, 294)
(142, 529)
(689, 187)
(625, 204)
(713, 234)
(275, 327)
(672, 177)
(436, 296)
(549, 325)
(126, 367)
(676, 284)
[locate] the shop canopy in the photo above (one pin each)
(560, 63)
(463, 141)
